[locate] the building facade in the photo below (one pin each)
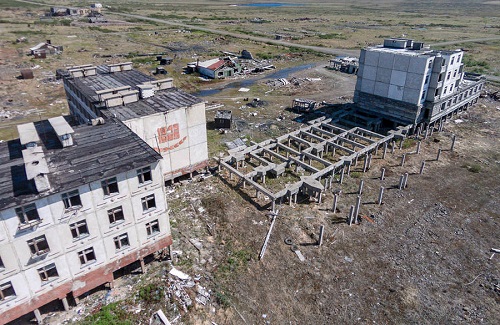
(166, 118)
(76, 204)
(407, 83)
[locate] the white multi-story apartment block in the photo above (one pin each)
(168, 119)
(76, 204)
(406, 83)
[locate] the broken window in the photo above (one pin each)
(28, 214)
(71, 199)
(6, 291)
(440, 77)
(121, 241)
(116, 215)
(426, 79)
(110, 186)
(87, 256)
(448, 76)
(48, 272)
(445, 90)
(79, 229)
(455, 73)
(452, 60)
(2, 266)
(152, 227)
(429, 65)
(144, 175)
(423, 96)
(148, 202)
(436, 92)
(38, 245)
(443, 106)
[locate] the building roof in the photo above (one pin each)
(98, 152)
(208, 63)
(162, 101)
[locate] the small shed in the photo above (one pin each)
(223, 119)
(27, 74)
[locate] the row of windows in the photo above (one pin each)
(28, 215)
(458, 98)
(39, 246)
(49, 272)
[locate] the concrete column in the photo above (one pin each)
(341, 176)
(376, 150)
(335, 201)
(263, 179)
(385, 150)
(453, 142)
(380, 195)
(405, 182)
(369, 164)
(295, 199)
(77, 300)
(143, 265)
(356, 209)
(418, 147)
(426, 133)
(360, 189)
(401, 143)
(331, 180)
(365, 164)
(319, 199)
(356, 161)
(333, 152)
(401, 181)
(432, 130)
(257, 194)
(349, 169)
(403, 158)
(230, 176)
(438, 154)
(422, 167)
(351, 214)
(65, 303)
(393, 146)
(382, 174)
(273, 206)
(244, 183)
(321, 233)
(38, 316)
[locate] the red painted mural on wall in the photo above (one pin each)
(169, 133)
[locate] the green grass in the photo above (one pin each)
(408, 143)
(112, 314)
(473, 168)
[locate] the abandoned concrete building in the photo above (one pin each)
(169, 120)
(76, 204)
(404, 83)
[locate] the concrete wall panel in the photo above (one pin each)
(198, 153)
(414, 81)
(362, 55)
(383, 75)
(368, 86)
(411, 95)
(381, 89)
(386, 60)
(417, 64)
(371, 58)
(395, 92)
(401, 62)
(369, 72)
(398, 78)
